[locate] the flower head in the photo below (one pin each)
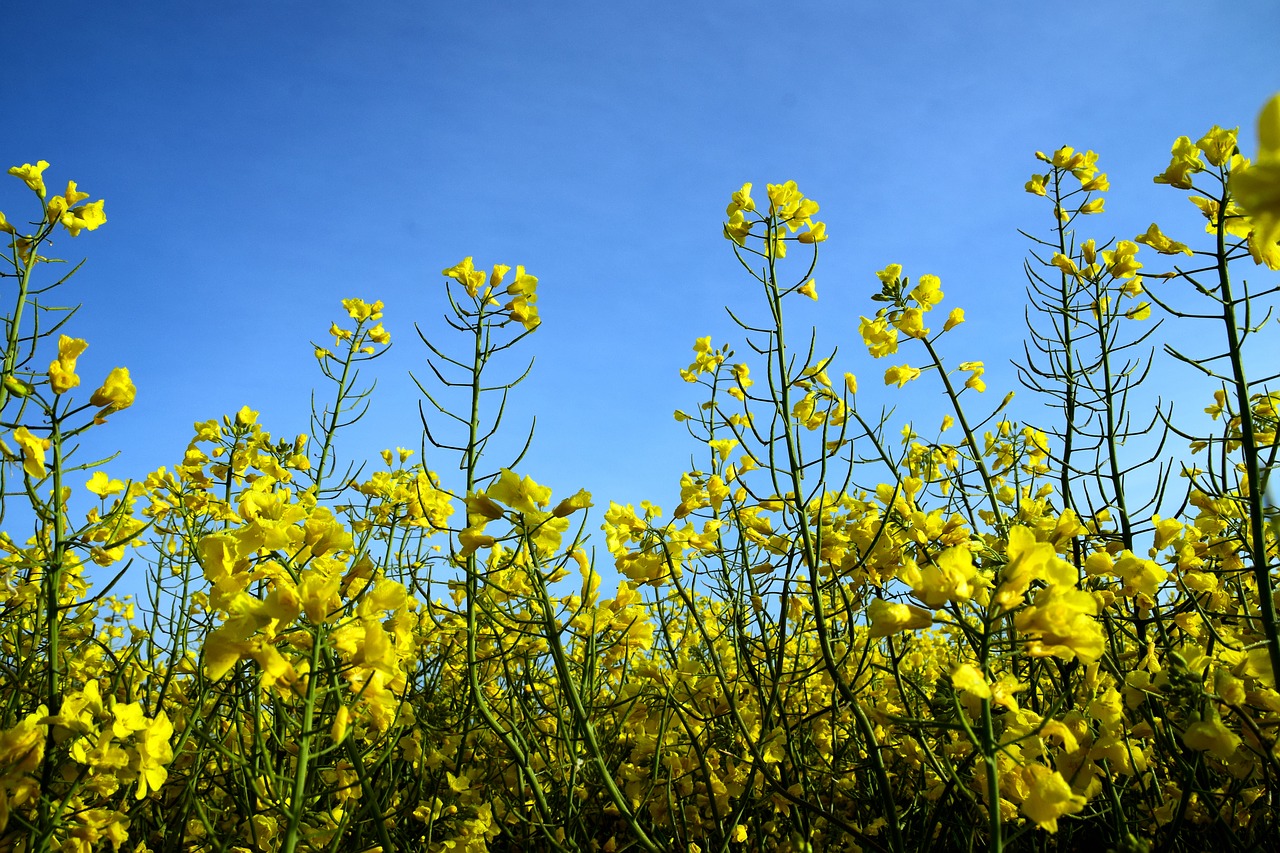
(117, 391)
(32, 176)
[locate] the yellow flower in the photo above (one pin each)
(955, 318)
(1218, 144)
(741, 201)
(1098, 183)
(950, 577)
(342, 719)
(880, 338)
(523, 495)
(465, 273)
(1035, 186)
(31, 175)
(967, 678)
(1257, 187)
(927, 292)
(102, 485)
(86, 217)
(360, 310)
(1029, 560)
(222, 652)
(809, 289)
(154, 752)
(789, 204)
(1061, 623)
(737, 228)
(33, 450)
(570, 505)
(1049, 797)
(117, 391)
(379, 335)
(911, 323)
(887, 617)
(1121, 261)
(524, 284)
(890, 274)
(817, 233)
(1186, 162)
(62, 372)
(901, 374)
(1064, 263)
(523, 311)
(1162, 244)
(72, 196)
(1139, 576)
(975, 369)
(1211, 736)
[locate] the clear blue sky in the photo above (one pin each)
(261, 161)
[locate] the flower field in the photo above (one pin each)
(849, 635)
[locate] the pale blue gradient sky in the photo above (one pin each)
(261, 161)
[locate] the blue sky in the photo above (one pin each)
(261, 161)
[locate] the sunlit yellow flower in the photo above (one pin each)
(580, 500)
(975, 369)
(1185, 163)
(968, 678)
(31, 175)
(817, 233)
(359, 310)
(522, 495)
(465, 273)
(881, 338)
(523, 311)
(1060, 623)
(951, 576)
(900, 374)
(472, 539)
(1218, 144)
(1162, 244)
(102, 485)
(911, 323)
(741, 201)
(1257, 187)
(927, 292)
(737, 228)
(1049, 798)
(1029, 560)
(341, 720)
(1122, 261)
(33, 450)
(154, 753)
(86, 217)
(888, 617)
(117, 391)
(62, 371)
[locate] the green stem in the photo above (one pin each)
(1248, 443)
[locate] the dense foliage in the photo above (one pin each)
(842, 638)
